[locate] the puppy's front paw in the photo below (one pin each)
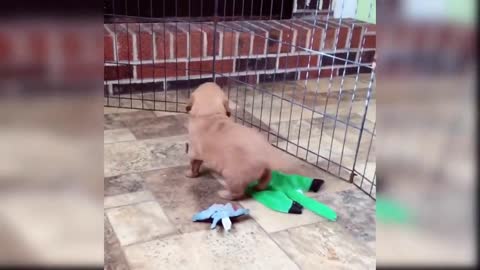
(190, 174)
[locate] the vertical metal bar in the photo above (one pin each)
(118, 59)
(189, 48)
(283, 88)
(165, 59)
(349, 40)
(215, 22)
(130, 77)
(139, 38)
(224, 10)
(368, 156)
(255, 71)
(257, 76)
(233, 14)
(350, 112)
(305, 89)
(138, 8)
(236, 92)
(303, 99)
(317, 89)
(139, 55)
(339, 98)
(115, 58)
(271, 94)
(128, 61)
(355, 86)
(153, 57)
(281, 10)
(244, 88)
(201, 38)
(362, 126)
(337, 31)
(374, 183)
(297, 72)
(176, 55)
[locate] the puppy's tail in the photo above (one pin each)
(264, 179)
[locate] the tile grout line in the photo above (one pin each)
(130, 140)
(123, 247)
(176, 232)
(147, 171)
(130, 204)
(273, 240)
(181, 138)
(177, 229)
(302, 225)
(118, 242)
(155, 238)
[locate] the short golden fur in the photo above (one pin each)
(239, 154)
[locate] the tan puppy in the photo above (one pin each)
(238, 153)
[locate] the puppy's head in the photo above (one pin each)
(208, 99)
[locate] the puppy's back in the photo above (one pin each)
(222, 139)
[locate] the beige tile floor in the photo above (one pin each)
(149, 202)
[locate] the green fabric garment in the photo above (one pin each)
(285, 193)
(391, 211)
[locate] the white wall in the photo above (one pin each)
(348, 9)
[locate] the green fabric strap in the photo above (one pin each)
(284, 189)
(283, 181)
(273, 199)
(312, 205)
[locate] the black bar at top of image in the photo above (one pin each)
(205, 8)
(50, 8)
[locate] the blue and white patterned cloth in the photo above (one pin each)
(221, 212)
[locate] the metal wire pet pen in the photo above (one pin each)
(293, 69)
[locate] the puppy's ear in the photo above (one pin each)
(227, 108)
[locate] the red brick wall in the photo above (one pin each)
(181, 51)
(53, 54)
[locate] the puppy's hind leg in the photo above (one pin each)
(194, 168)
(235, 190)
(222, 182)
(231, 196)
(225, 194)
